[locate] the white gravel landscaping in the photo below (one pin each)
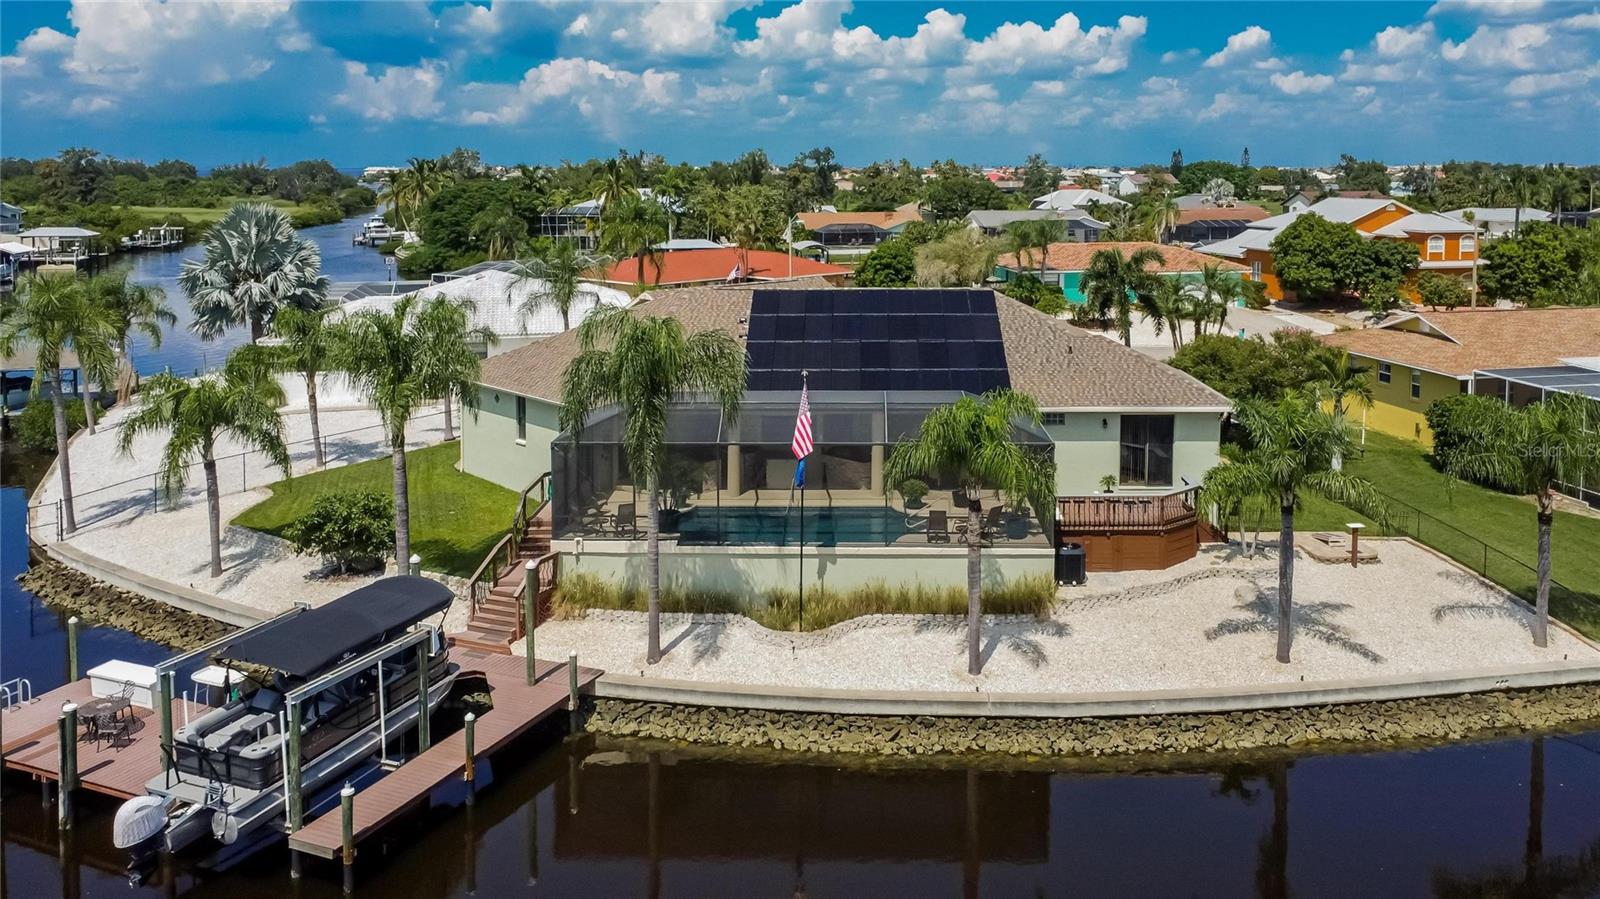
(1411, 613)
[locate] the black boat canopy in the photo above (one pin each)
(314, 640)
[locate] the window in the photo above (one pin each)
(1469, 244)
(1436, 245)
(1255, 270)
(1384, 375)
(1416, 384)
(522, 418)
(1055, 418)
(1146, 450)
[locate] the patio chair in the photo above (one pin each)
(995, 523)
(111, 725)
(625, 524)
(938, 526)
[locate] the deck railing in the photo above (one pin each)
(532, 512)
(1126, 512)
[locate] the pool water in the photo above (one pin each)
(827, 526)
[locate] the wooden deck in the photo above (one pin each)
(31, 745)
(517, 707)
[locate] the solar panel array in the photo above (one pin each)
(867, 339)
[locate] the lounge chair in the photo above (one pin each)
(626, 522)
(938, 526)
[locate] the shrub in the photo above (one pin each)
(1441, 291)
(1447, 419)
(780, 609)
(36, 424)
(913, 490)
(892, 263)
(345, 528)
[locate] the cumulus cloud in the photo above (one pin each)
(969, 92)
(1550, 82)
(1243, 45)
(1100, 50)
(1397, 41)
(400, 92)
(126, 46)
(1487, 8)
(1172, 56)
(1516, 47)
(599, 92)
(1297, 82)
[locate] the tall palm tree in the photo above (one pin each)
(306, 348)
(1532, 449)
(613, 181)
(555, 274)
(1162, 214)
(1341, 381)
(1289, 446)
(240, 402)
(450, 360)
(1521, 181)
(500, 230)
(1564, 189)
(972, 439)
(134, 307)
(390, 358)
(1166, 304)
(1036, 234)
(1218, 291)
(642, 364)
(53, 314)
(632, 227)
(1112, 282)
(254, 264)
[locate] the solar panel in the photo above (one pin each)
(871, 339)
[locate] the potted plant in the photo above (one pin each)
(912, 490)
(1108, 484)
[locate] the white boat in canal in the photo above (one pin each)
(312, 696)
(376, 231)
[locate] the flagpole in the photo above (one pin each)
(803, 375)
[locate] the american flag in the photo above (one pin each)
(802, 426)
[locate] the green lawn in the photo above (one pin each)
(455, 518)
(1455, 520)
(211, 214)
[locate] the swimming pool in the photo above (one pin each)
(827, 526)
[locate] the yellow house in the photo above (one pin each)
(1417, 359)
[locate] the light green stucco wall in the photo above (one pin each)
(748, 570)
(489, 446)
(1086, 451)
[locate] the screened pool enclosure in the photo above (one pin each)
(731, 483)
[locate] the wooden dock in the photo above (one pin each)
(517, 707)
(31, 744)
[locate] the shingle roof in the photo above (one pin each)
(705, 266)
(1074, 257)
(885, 220)
(1458, 343)
(1243, 212)
(1060, 366)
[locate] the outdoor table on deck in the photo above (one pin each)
(91, 710)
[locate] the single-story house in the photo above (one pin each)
(1425, 356)
(1201, 221)
(1498, 221)
(1074, 198)
(683, 268)
(1300, 201)
(1131, 184)
(1065, 263)
(1080, 225)
(878, 362)
(846, 233)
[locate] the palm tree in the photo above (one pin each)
(306, 348)
(254, 264)
(241, 402)
(1290, 445)
(642, 364)
(391, 357)
(1521, 181)
(134, 307)
(500, 230)
(613, 181)
(1340, 380)
(1162, 214)
(555, 275)
(1037, 234)
(1167, 303)
(632, 227)
(52, 314)
(451, 362)
(1111, 282)
(1532, 449)
(1564, 189)
(1218, 290)
(972, 440)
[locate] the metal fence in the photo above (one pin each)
(234, 475)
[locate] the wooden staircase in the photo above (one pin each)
(497, 589)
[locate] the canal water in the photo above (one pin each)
(1513, 817)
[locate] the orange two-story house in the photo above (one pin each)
(1443, 244)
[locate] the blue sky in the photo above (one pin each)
(543, 80)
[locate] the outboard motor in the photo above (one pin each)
(138, 828)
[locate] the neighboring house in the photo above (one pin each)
(848, 233)
(580, 221)
(1201, 221)
(12, 254)
(879, 360)
(1445, 245)
(682, 268)
(1131, 184)
(1425, 356)
(688, 243)
(10, 219)
(1074, 198)
(1080, 225)
(494, 300)
(1065, 263)
(1498, 221)
(1300, 201)
(1579, 376)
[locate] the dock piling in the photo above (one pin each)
(416, 565)
(67, 737)
(347, 831)
(572, 681)
(72, 649)
(470, 724)
(530, 608)
(424, 731)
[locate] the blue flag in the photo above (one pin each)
(800, 473)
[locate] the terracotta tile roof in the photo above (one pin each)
(1074, 257)
(1464, 341)
(884, 220)
(1060, 366)
(682, 267)
(1241, 213)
